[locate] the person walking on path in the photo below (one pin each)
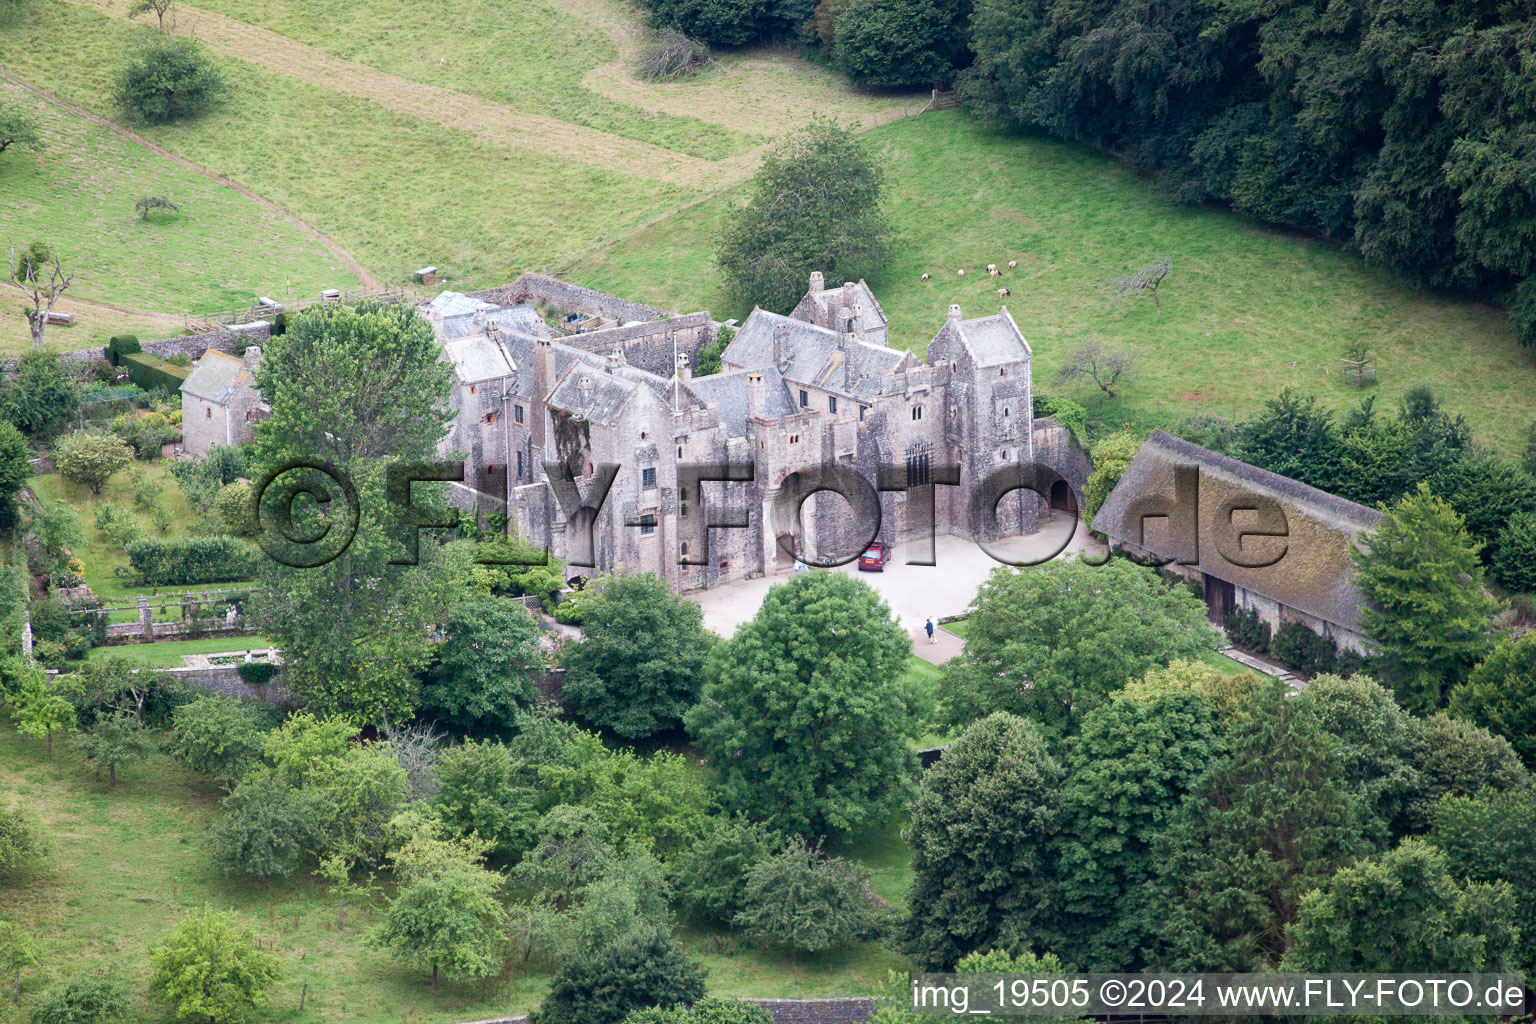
(928, 626)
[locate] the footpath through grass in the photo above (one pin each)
(1246, 311)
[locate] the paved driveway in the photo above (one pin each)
(914, 592)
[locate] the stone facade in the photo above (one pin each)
(219, 401)
(815, 396)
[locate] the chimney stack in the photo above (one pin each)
(616, 359)
(683, 369)
(781, 346)
(849, 294)
(818, 283)
(754, 395)
(954, 315)
(584, 388)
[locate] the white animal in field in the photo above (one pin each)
(994, 273)
(1013, 264)
(925, 277)
(991, 268)
(960, 273)
(1003, 293)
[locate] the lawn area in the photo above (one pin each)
(1246, 310)
(395, 191)
(220, 251)
(131, 861)
(167, 653)
(102, 558)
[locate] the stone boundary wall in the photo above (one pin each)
(567, 297)
(191, 345)
(1055, 447)
(226, 679)
(832, 1010)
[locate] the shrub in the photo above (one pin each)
(23, 843)
(163, 561)
(168, 77)
(120, 345)
(1301, 649)
(670, 55)
(1245, 629)
(207, 967)
(93, 999)
(257, 673)
(805, 901)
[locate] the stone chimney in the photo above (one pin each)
(584, 388)
(616, 359)
(683, 369)
(493, 331)
(818, 283)
(543, 383)
(755, 400)
(252, 357)
(954, 316)
(850, 294)
(781, 346)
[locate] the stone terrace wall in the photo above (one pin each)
(1056, 447)
(226, 679)
(568, 298)
(191, 345)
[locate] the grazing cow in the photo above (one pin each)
(1013, 264)
(1003, 293)
(960, 273)
(925, 277)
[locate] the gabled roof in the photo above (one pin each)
(216, 377)
(830, 300)
(812, 355)
(729, 392)
(994, 340)
(1313, 575)
(599, 403)
(509, 318)
(477, 358)
(446, 304)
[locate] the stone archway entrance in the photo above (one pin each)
(1061, 497)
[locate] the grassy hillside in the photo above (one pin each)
(131, 861)
(1246, 310)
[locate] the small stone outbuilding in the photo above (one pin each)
(219, 401)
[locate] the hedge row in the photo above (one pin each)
(121, 345)
(153, 373)
(185, 560)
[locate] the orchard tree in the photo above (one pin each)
(263, 831)
(805, 901)
(40, 712)
(805, 715)
(815, 205)
(640, 660)
(354, 387)
(573, 850)
(711, 873)
(42, 280)
(207, 968)
(445, 913)
(1425, 606)
(488, 666)
(643, 968)
(19, 127)
(91, 459)
(1500, 695)
(1051, 642)
(18, 951)
(1145, 281)
(982, 833)
(159, 8)
(23, 843)
(115, 741)
(217, 735)
(1104, 367)
(166, 77)
(485, 790)
(1403, 911)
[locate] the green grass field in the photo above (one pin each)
(1246, 310)
(167, 653)
(131, 861)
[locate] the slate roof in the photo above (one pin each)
(447, 304)
(476, 358)
(216, 377)
(1313, 576)
(509, 318)
(729, 392)
(601, 404)
(813, 355)
(994, 340)
(831, 301)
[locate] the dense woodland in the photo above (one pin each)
(1406, 131)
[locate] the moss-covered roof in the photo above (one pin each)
(1312, 576)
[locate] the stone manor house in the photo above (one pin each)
(547, 372)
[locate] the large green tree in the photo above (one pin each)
(645, 967)
(165, 77)
(1487, 838)
(904, 43)
(88, 458)
(640, 662)
(982, 830)
(1403, 911)
(805, 714)
(1052, 642)
(814, 204)
(1426, 608)
(1500, 695)
(803, 900)
(488, 666)
(207, 968)
(1457, 758)
(445, 914)
(353, 387)
(1377, 742)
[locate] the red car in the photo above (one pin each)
(874, 557)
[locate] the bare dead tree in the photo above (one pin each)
(1091, 360)
(1146, 280)
(27, 278)
(417, 749)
